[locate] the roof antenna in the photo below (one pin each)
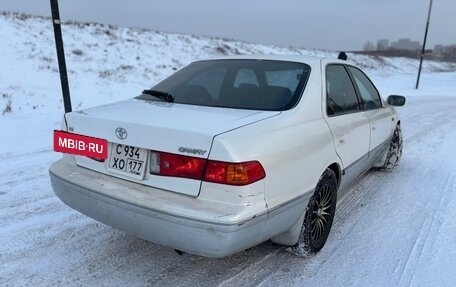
(342, 56)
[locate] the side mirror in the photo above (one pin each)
(396, 100)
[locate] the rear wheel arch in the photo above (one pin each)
(291, 237)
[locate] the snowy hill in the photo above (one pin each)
(391, 229)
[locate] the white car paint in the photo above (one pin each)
(162, 127)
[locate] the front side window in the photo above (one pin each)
(369, 94)
(341, 95)
(244, 84)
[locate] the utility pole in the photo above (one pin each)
(424, 45)
(60, 55)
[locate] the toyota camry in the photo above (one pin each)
(227, 153)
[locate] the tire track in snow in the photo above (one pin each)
(22, 200)
(354, 194)
(9, 155)
(405, 271)
(431, 225)
(428, 233)
(199, 271)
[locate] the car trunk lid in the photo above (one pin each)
(160, 126)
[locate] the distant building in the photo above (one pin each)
(382, 44)
(406, 44)
(451, 51)
(369, 46)
(438, 49)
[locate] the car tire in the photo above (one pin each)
(394, 153)
(318, 217)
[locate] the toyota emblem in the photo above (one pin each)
(121, 133)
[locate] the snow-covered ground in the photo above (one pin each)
(391, 229)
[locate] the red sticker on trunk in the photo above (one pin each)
(80, 145)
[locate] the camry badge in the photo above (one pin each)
(121, 133)
(192, 150)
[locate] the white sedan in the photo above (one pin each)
(228, 153)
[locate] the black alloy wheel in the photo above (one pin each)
(318, 217)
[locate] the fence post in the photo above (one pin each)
(61, 55)
(424, 45)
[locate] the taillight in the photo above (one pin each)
(168, 164)
(234, 173)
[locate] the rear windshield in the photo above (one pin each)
(242, 84)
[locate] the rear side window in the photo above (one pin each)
(244, 84)
(341, 95)
(368, 92)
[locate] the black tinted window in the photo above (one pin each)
(368, 93)
(245, 84)
(245, 76)
(211, 80)
(287, 78)
(341, 95)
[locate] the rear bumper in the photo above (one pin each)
(81, 189)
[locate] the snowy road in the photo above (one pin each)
(391, 229)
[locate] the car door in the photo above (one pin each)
(380, 118)
(348, 123)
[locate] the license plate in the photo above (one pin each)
(127, 160)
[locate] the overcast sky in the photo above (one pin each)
(327, 24)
